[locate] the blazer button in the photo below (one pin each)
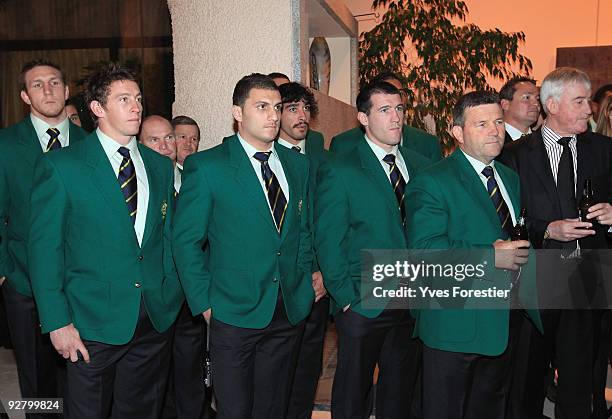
(140, 257)
(275, 280)
(278, 253)
(137, 284)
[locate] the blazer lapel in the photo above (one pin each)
(585, 159)
(105, 180)
(154, 178)
(538, 161)
(477, 190)
(248, 180)
(512, 192)
(293, 180)
(375, 172)
(28, 140)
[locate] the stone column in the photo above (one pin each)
(215, 43)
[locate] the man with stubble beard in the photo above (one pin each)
(46, 128)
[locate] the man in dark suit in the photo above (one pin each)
(299, 106)
(553, 164)
(359, 205)
(468, 201)
(100, 260)
(185, 393)
(412, 138)
(248, 197)
(520, 101)
(46, 128)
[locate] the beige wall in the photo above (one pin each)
(548, 24)
(217, 43)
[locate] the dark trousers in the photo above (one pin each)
(253, 368)
(185, 394)
(602, 348)
(310, 360)
(568, 343)
(362, 343)
(123, 381)
(39, 366)
(522, 363)
(460, 385)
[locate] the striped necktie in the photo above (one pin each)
(297, 148)
(397, 182)
(498, 202)
(276, 197)
(127, 180)
(54, 142)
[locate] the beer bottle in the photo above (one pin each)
(586, 201)
(519, 232)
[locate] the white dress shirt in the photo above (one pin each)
(478, 167)
(111, 148)
(301, 145)
(178, 181)
(41, 128)
(380, 155)
(275, 166)
(515, 133)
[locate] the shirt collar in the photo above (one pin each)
(301, 144)
(41, 127)
(111, 146)
(250, 150)
(379, 151)
(515, 133)
(477, 164)
(550, 137)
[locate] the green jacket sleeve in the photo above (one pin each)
(49, 207)
(331, 236)
(190, 232)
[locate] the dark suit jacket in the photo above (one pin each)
(413, 139)
(248, 261)
(356, 209)
(507, 139)
(19, 149)
(528, 157)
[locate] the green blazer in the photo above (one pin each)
(85, 262)
(413, 139)
(448, 207)
(19, 149)
(315, 153)
(248, 261)
(355, 209)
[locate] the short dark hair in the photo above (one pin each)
(294, 92)
(509, 89)
(471, 100)
(98, 83)
(40, 62)
(248, 83)
(277, 75)
(184, 120)
(602, 92)
(364, 98)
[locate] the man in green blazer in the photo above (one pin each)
(412, 138)
(248, 198)
(452, 205)
(299, 106)
(100, 260)
(46, 128)
(359, 205)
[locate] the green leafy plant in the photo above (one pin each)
(436, 57)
